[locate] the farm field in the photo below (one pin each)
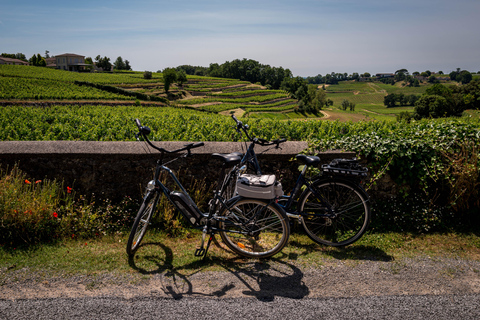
(32, 85)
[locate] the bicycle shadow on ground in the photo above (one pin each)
(262, 279)
(352, 252)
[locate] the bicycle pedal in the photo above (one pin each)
(199, 252)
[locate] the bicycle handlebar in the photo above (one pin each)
(144, 131)
(262, 142)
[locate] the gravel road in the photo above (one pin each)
(421, 287)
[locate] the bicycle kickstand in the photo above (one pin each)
(202, 251)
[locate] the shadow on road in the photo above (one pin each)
(263, 279)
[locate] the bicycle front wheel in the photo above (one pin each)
(254, 228)
(141, 222)
(347, 221)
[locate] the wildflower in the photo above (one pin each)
(38, 181)
(69, 190)
(27, 182)
(55, 215)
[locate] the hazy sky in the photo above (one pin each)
(309, 37)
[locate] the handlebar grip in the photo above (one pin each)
(198, 144)
(139, 125)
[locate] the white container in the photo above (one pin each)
(259, 186)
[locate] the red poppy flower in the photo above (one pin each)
(27, 182)
(55, 215)
(69, 190)
(38, 181)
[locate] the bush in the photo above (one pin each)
(30, 210)
(436, 161)
(147, 75)
(34, 211)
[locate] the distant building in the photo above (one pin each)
(11, 61)
(70, 62)
(384, 75)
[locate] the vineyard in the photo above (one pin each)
(21, 85)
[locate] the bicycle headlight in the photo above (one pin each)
(151, 185)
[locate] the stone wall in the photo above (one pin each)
(117, 169)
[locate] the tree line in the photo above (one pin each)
(444, 101)
(244, 70)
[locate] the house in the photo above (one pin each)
(11, 61)
(384, 75)
(70, 62)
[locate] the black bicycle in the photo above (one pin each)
(254, 228)
(332, 206)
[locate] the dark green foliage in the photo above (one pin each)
(434, 163)
(169, 77)
(147, 75)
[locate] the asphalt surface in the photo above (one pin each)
(383, 307)
(411, 288)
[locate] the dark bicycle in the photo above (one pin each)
(332, 206)
(254, 228)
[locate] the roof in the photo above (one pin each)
(13, 60)
(69, 55)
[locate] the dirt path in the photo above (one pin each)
(332, 278)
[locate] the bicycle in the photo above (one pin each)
(332, 207)
(253, 228)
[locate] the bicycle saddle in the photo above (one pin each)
(230, 158)
(308, 160)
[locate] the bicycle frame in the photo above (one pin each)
(245, 217)
(250, 157)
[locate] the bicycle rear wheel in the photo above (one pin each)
(351, 212)
(255, 227)
(141, 222)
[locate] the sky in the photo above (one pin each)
(306, 36)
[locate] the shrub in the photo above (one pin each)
(436, 161)
(30, 210)
(147, 75)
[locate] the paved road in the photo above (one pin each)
(386, 307)
(410, 288)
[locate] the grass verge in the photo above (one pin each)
(159, 253)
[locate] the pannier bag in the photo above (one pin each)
(345, 167)
(259, 186)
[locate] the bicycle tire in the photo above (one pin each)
(266, 223)
(141, 222)
(350, 204)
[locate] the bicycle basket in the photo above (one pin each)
(345, 167)
(259, 186)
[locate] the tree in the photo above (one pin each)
(431, 106)
(464, 77)
(37, 60)
(293, 86)
(169, 77)
(315, 99)
(348, 105)
(103, 63)
(181, 77)
(119, 64)
(390, 100)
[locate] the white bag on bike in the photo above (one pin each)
(259, 186)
